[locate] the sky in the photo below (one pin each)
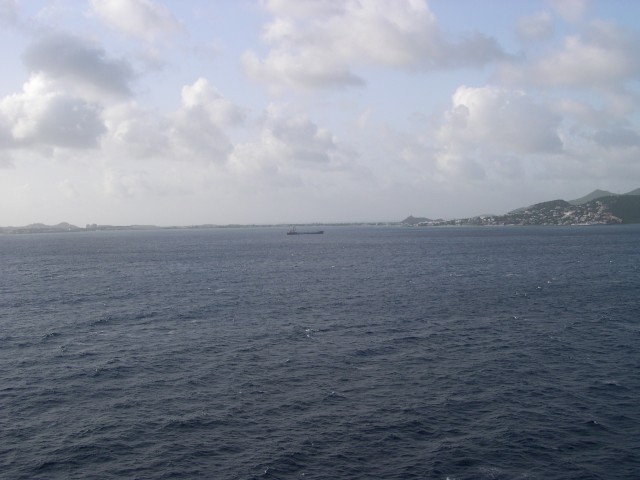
(184, 112)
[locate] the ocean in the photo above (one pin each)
(363, 353)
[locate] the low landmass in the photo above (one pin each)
(599, 207)
(65, 227)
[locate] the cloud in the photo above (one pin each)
(487, 129)
(303, 141)
(570, 10)
(198, 128)
(80, 65)
(604, 58)
(137, 18)
(126, 185)
(289, 145)
(315, 71)
(506, 120)
(134, 132)
(196, 131)
(8, 12)
(67, 189)
(617, 138)
(203, 97)
(193, 137)
(42, 116)
(318, 45)
(535, 27)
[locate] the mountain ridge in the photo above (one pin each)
(596, 194)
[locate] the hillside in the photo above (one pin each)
(592, 196)
(625, 207)
(598, 208)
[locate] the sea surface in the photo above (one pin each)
(363, 353)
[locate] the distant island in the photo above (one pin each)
(65, 227)
(600, 207)
(597, 208)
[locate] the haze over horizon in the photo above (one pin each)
(294, 111)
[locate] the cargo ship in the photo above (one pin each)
(293, 231)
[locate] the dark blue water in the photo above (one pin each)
(363, 353)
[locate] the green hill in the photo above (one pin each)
(592, 196)
(625, 207)
(598, 208)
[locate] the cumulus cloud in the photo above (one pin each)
(319, 44)
(603, 58)
(287, 146)
(196, 131)
(80, 64)
(203, 97)
(43, 116)
(506, 120)
(134, 132)
(488, 128)
(137, 18)
(303, 140)
(194, 137)
(198, 128)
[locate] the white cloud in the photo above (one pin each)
(202, 96)
(304, 8)
(197, 129)
(504, 120)
(137, 18)
(319, 45)
(194, 137)
(603, 58)
(287, 147)
(134, 132)
(487, 129)
(43, 116)
(80, 66)
(195, 132)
